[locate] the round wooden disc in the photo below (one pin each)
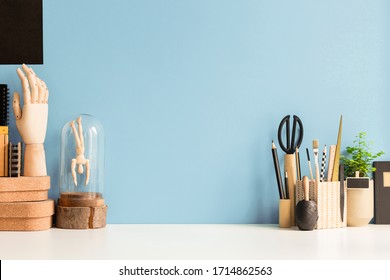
(80, 199)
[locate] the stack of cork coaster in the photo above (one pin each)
(24, 203)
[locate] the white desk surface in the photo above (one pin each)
(198, 242)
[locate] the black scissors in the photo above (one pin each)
(290, 145)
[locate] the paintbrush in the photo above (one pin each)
(315, 152)
(308, 160)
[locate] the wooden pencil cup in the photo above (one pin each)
(360, 205)
(284, 213)
(327, 197)
(290, 168)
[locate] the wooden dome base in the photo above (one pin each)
(81, 217)
(81, 199)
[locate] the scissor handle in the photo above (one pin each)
(299, 142)
(291, 145)
(286, 119)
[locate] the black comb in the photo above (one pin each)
(4, 105)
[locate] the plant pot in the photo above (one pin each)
(360, 205)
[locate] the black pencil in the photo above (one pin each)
(298, 164)
(286, 185)
(277, 171)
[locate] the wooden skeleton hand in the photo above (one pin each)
(31, 121)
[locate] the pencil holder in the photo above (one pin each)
(284, 213)
(327, 196)
(360, 205)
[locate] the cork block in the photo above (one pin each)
(26, 216)
(81, 217)
(18, 189)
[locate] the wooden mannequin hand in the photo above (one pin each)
(31, 121)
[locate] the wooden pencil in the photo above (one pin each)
(2, 157)
(6, 155)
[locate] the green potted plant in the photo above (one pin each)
(359, 157)
(360, 191)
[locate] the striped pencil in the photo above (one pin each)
(323, 163)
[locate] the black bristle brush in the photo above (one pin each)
(4, 105)
(4, 120)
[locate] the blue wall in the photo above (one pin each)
(191, 94)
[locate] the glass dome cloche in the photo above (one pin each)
(81, 179)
